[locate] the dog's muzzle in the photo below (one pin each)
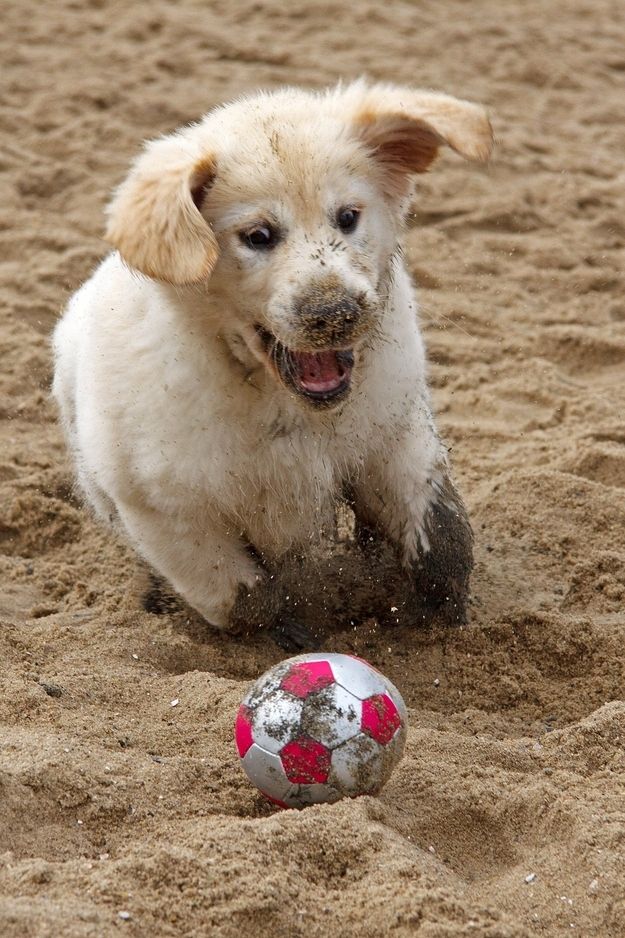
(322, 377)
(317, 363)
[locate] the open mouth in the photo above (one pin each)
(322, 377)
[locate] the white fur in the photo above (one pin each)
(181, 435)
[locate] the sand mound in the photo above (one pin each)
(507, 816)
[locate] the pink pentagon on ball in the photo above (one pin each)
(243, 730)
(305, 761)
(380, 718)
(306, 677)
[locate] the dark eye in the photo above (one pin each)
(347, 219)
(259, 238)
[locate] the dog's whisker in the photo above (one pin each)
(439, 317)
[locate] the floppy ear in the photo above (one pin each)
(405, 128)
(154, 220)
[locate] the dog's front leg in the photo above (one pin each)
(405, 492)
(208, 566)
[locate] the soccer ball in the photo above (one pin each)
(320, 727)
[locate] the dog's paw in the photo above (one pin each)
(367, 538)
(291, 635)
(440, 575)
(158, 598)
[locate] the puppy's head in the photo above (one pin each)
(291, 204)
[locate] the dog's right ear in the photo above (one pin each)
(154, 219)
(404, 128)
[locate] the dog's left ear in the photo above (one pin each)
(404, 129)
(154, 218)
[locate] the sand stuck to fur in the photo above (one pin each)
(121, 813)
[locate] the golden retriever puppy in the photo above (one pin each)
(251, 349)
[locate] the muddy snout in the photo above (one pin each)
(330, 316)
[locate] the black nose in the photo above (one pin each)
(331, 319)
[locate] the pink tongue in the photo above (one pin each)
(318, 371)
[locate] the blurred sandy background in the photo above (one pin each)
(507, 816)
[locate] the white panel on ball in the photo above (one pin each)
(301, 796)
(357, 765)
(265, 770)
(356, 676)
(276, 720)
(331, 715)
